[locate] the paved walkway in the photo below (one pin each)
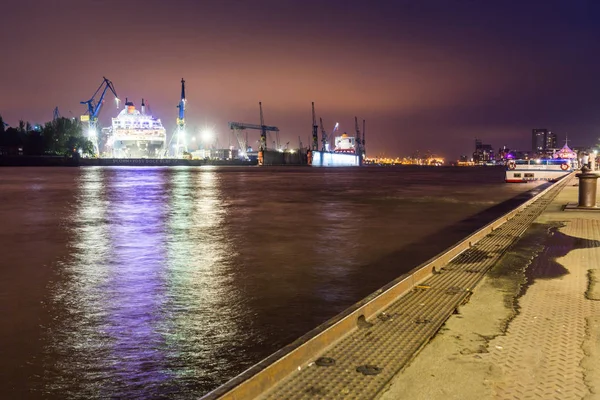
(531, 329)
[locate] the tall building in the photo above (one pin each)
(483, 152)
(542, 140)
(551, 141)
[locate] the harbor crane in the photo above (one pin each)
(364, 147)
(263, 132)
(93, 109)
(181, 146)
(324, 139)
(237, 127)
(359, 143)
(315, 130)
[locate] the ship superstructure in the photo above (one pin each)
(136, 134)
(345, 144)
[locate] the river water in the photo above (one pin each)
(166, 282)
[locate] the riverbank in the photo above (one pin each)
(57, 161)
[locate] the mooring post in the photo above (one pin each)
(588, 182)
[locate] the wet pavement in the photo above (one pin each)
(531, 328)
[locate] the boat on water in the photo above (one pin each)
(344, 154)
(136, 134)
(518, 171)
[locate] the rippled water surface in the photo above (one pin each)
(166, 282)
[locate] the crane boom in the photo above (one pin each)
(237, 127)
(94, 107)
(93, 110)
(243, 125)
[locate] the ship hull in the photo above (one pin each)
(138, 148)
(332, 159)
(274, 157)
(537, 170)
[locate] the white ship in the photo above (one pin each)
(518, 171)
(135, 134)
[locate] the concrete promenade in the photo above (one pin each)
(531, 329)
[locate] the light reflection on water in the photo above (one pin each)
(146, 273)
(176, 279)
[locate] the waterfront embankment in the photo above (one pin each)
(57, 161)
(530, 327)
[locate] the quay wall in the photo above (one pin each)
(273, 157)
(57, 161)
(157, 162)
(38, 161)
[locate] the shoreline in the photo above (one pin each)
(58, 161)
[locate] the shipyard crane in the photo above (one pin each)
(240, 126)
(237, 127)
(324, 139)
(315, 130)
(93, 109)
(358, 141)
(263, 132)
(180, 133)
(364, 147)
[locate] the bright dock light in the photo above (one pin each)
(207, 135)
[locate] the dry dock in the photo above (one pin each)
(510, 312)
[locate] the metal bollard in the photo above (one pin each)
(588, 182)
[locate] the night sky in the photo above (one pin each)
(426, 75)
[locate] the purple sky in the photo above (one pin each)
(426, 75)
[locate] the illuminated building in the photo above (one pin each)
(542, 140)
(483, 153)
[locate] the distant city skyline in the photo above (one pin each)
(425, 75)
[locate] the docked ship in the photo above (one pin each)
(562, 163)
(136, 134)
(537, 170)
(344, 154)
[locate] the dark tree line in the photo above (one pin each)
(60, 137)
